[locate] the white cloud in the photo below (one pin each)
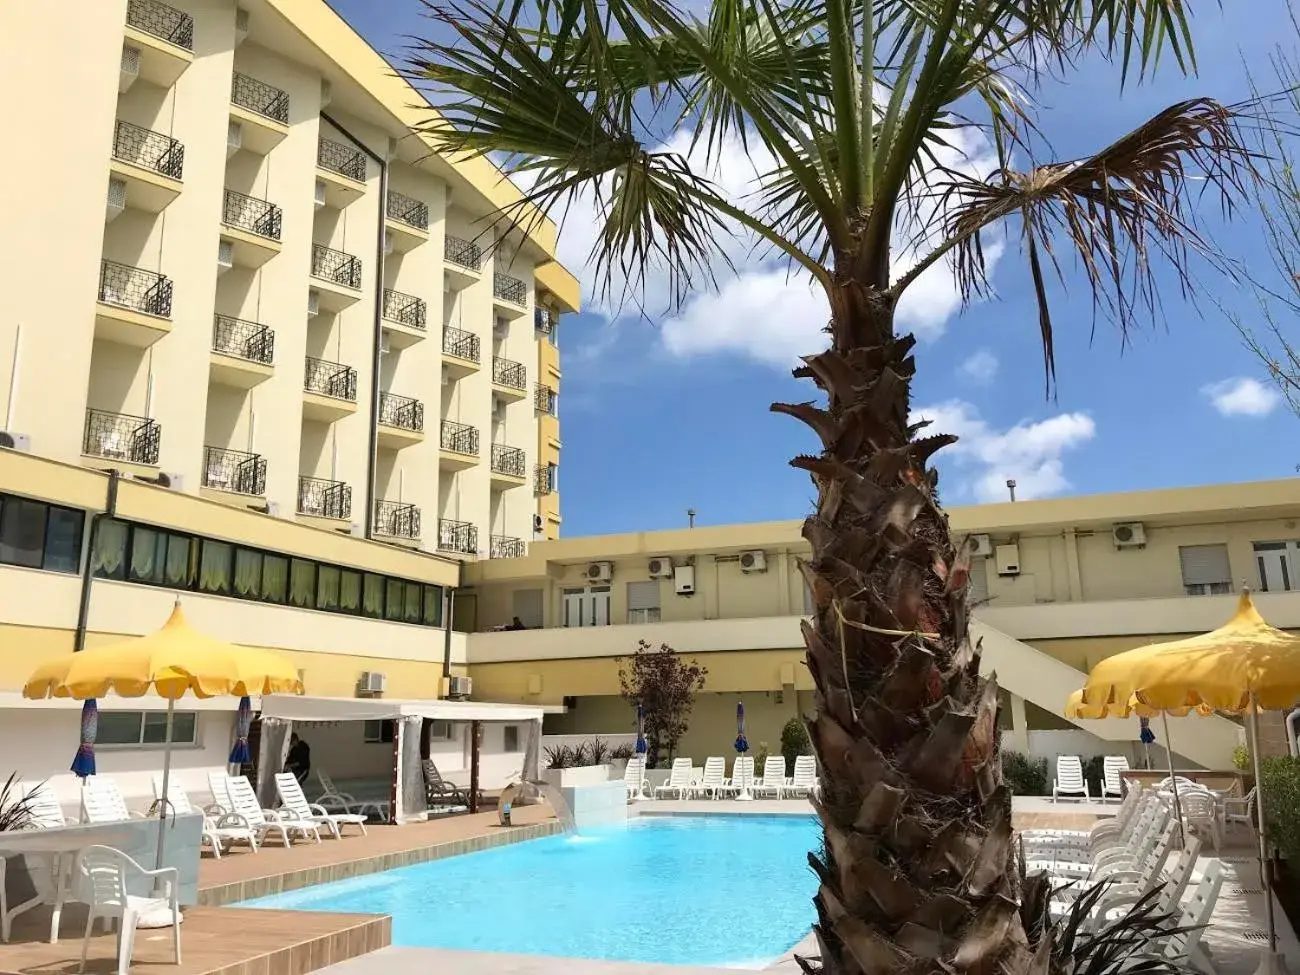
(980, 368)
(1029, 452)
(1241, 396)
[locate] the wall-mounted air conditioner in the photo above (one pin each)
(372, 682)
(600, 571)
(241, 25)
(385, 346)
(684, 580)
(459, 688)
(130, 69)
(225, 256)
(116, 199)
(661, 567)
(15, 441)
(753, 561)
(313, 303)
(981, 546)
(1129, 534)
(234, 138)
(320, 193)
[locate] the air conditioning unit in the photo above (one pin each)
(388, 242)
(15, 441)
(241, 25)
(225, 255)
(754, 560)
(313, 303)
(357, 530)
(385, 346)
(372, 682)
(320, 193)
(460, 688)
(661, 567)
(130, 69)
(600, 571)
(325, 93)
(1129, 534)
(172, 480)
(1007, 558)
(981, 546)
(273, 509)
(116, 199)
(684, 580)
(234, 138)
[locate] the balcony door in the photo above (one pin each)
(586, 607)
(1277, 562)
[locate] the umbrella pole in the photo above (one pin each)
(1271, 962)
(1173, 779)
(166, 781)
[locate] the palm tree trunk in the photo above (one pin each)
(918, 870)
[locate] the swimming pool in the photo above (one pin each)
(700, 890)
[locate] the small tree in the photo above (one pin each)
(665, 686)
(794, 741)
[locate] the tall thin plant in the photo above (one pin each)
(17, 807)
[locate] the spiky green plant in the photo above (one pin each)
(17, 809)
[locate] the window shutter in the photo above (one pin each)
(1204, 565)
(979, 580)
(643, 595)
(527, 605)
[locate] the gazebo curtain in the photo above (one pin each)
(414, 797)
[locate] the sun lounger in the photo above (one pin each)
(1069, 783)
(714, 782)
(772, 782)
(679, 782)
(804, 782)
(221, 828)
(266, 821)
(293, 801)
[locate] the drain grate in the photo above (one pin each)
(1258, 936)
(1247, 891)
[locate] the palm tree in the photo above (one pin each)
(859, 102)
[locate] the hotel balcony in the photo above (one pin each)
(329, 390)
(545, 399)
(338, 277)
(401, 421)
(340, 174)
(505, 547)
(243, 352)
(148, 164)
(252, 227)
(543, 479)
(405, 318)
(233, 472)
(261, 111)
(462, 262)
(321, 498)
(509, 296)
(406, 222)
(545, 321)
(508, 466)
(159, 43)
(460, 352)
(134, 306)
(509, 378)
(396, 520)
(122, 438)
(457, 537)
(457, 446)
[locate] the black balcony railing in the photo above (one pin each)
(401, 411)
(243, 340)
(341, 159)
(457, 536)
(118, 436)
(397, 520)
(162, 21)
(459, 437)
(463, 253)
(135, 288)
(324, 499)
(460, 343)
(236, 471)
(545, 399)
(507, 372)
(408, 210)
(331, 379)
(148, 149)
(508, 460)
(248, 213)
(544, 320)
(336, 266)
(405, 309)
(505, 547)
(544, 479)
(260, 98)
(509, 289)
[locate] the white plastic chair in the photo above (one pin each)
(1201, 814)
(1070, 783)
(804, 781)
(295, 804)
(714, 782)
(772, 782)
(103, 874)
(265, 821)
(679, 780)
(1238, 811)
(225, 827)
(634, 778)
(1113, 768)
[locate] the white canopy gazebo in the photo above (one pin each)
(406, 792)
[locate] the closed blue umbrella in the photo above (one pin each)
(641, 746)
(240, 755)
(83, 764)
(742, 743)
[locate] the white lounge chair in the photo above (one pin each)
(772, 782)
(1142, 873)
(1103, 830)
(1113, 768)
(1183, 948)
(102, 884)
(1078, 865)
(47, 811)
(222, 828)
(742, 775)
(714, 782)
(332, 798)
(804, 781)
(634, 778)
(1172, 883)
(679, 780)
(266, 821)
(102, 802)
(293, 800)
(1070, 783)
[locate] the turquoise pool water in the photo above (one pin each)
(708, 890)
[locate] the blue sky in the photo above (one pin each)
(665, 415)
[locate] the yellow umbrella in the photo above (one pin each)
(176, 660)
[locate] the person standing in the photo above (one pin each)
(298, 761)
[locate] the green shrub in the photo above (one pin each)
(1280, 780)
(1025, 776)
(794, 742)
(1094, 774)
(1241, 758)
(760, 758)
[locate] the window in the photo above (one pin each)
(413, 602)
(249, 569)
(37, 535)
(275, 579)
(108, 560)
(586, 607)
(395, 605)
(511, 738)
(350, 592)
(302, 583)
(1277, 562)
(808, 607)
(215, 567)
(372, 596)
(377, 732)
(63, 540)
(147, 728)
(440, 731)
(979, 580)
(328, 580)
(1205, 569)
(643, 601)
(160, 558)
(433, 605)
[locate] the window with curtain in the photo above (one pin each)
(433, 605)
(395, 600)
(63, 539)
(108, 560)
(327, 588)
(414, 602)
(248, 573)
(22, 532)
(372, 596)
(302, 583)
(350, 592)
(148, 554)
(275, 579)
(643, 601)
(181, 570)
(215, 567)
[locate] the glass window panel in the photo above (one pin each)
(63, 540)
(395, 600)
(108, 561)
(215, 567)
(22, 532)
(414, 602)
(148, 553)
(327, 587)
(302, 583)
(350, 591)
(155, 727)
(118, 728)
(433, 605)
(181, 570)
(248, 573)
(275, 579)
(372, 596)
